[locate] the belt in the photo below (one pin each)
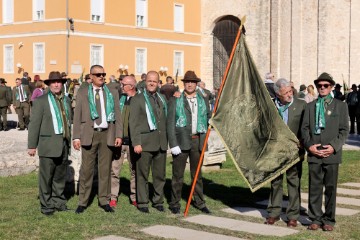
(195, 136)
(100, 129)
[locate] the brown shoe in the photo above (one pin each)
(271, 220)
(292, 223)
(313, 226)
(327, 227)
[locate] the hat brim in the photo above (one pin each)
(48, 81)
(332, 82)
(191, 80)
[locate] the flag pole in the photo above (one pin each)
(213, 113)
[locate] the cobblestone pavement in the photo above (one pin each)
(14, 159)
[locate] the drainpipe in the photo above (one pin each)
(67, 38)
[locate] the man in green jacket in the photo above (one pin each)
(21, 103)
(187, 124)
(5, 100)
(148, 111)
(49, 132)
(291, 110)
(324, 129)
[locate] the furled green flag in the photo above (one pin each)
(259, 142)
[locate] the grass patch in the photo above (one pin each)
(20, 216)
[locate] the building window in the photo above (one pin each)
(141, 13)
(38, 10)
(39, 58)
(178, 18)
(8, 11)
(8, 58)
(96, 55)
(178, 63)
(141, 61)
(97, 10)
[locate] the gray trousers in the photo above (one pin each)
(52, 178)
(157, 162)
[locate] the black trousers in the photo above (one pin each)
(320, 176)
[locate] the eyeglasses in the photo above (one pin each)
(322, 85)
(99, 74)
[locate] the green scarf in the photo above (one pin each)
(282, 109)
(122, 102)
(17, 93)
(320, 113)
(149, 111)
(180, 117)
(110, 113)
(56, 114)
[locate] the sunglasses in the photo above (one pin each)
(322, 85)
(99, 74)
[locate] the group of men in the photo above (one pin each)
(322, 127)
(105, 125)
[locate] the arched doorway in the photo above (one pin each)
(224, 35)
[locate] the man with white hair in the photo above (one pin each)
(291, 111)
(269, 83)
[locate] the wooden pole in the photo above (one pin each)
(214, 111)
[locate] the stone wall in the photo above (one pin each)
(295, 39)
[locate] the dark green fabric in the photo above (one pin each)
(258, 140)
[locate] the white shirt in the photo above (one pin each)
(104, 123)
(194, 111)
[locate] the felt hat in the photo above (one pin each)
(338, 86)
(325, 77)
(190, 76)
(55, 75)
(2, 80)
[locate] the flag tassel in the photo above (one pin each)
(214, 111)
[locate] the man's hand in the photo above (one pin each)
(177, 94)
(327, 151)
(314, 151)
(32, 151)
(138, 149)
(77, 144)
(118, 142)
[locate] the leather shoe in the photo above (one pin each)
(327, 227)
(21, 129)
(292, 223)
(160, 208)
(143, 209)
(271, 220)
(175, 210)
(48, 213)
(107, 208)
(80, 209)
(313, 227)
(205, 210)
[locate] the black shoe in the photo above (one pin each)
(107, 208)
(48, 213)
(21, 129)
(143, 209)
(205, 210)
(160, 208)
(6, 129)
(175, 210)
(80, 209)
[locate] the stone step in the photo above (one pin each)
(179, 233)
(339, 200)
(351, 184)
(350, 192)
(112, 237)
(241, 226)
(339, 211)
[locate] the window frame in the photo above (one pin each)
(181, 71)
(102, 54)
(5, 59)
(145, 25)
(102, 13)
(35, 70)
(4, 11)
(145, 61)
(35, 10)
(183, 18)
